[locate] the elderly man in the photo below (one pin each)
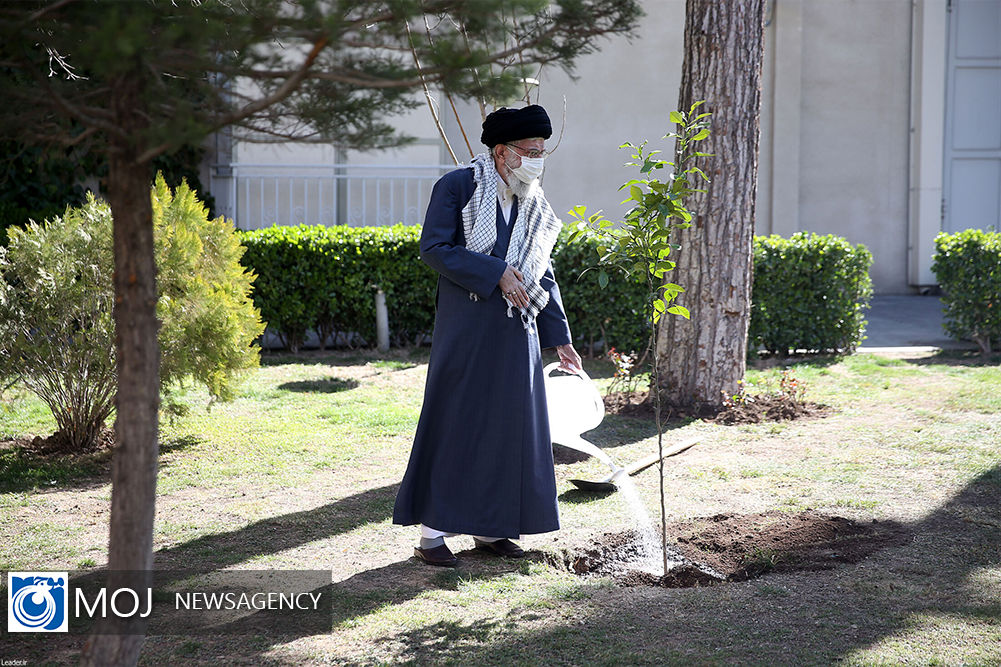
(482, 459)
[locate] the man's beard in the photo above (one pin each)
(519, 188)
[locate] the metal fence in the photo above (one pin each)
(261, 195)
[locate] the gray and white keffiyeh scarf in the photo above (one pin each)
(532, 239)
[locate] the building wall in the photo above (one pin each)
(854, 128)
(835, 125)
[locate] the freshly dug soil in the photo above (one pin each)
(737, 547)
(764, 407)
(771, 407)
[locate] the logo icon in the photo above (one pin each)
(37, 601)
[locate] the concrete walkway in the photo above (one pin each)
(907, 322)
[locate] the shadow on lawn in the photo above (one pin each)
(360, 357)
(279, 533)
(966, 358)
(804, 618)
(23, 469)
(320, 386)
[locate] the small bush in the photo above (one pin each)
(810, 292)
(56, 297)
(967, 266)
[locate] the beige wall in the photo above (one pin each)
(853, 154)
(835, 131)
(623, 93)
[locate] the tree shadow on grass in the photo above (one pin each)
(361, 357)
(279, 533)
(320, 386)
(964, 358)
(22, 469)
(822, 617)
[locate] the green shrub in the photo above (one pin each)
(208, 320)
(810, 292)
(56, 296)
(967, 266)
(324, 279)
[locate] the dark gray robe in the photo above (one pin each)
(482, 460)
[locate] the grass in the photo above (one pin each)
(300, 472)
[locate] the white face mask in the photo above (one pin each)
(530, 169)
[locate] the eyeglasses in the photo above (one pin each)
(529, 152)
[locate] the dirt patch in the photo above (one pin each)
(771, 407)
(756, 409)
(738, 547)
(58, 444)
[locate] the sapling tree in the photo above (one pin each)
(642, 242)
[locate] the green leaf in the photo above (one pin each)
(602, 279)
(677, 117)
(680, 310)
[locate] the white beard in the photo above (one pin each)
(521, 189)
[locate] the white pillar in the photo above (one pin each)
(381, 321)
(929, 22)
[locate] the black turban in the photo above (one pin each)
(506, 125)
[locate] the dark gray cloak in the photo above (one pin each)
(482, 459)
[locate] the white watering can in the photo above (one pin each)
(575, 406)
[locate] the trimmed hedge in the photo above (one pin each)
(810, 293)
(967, 266)
(324, 279)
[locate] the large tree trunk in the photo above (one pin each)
(702, 358)
(134, 467)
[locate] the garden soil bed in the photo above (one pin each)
(763, 407)
(738, 547)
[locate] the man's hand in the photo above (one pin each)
(513, 288)
(569, 359)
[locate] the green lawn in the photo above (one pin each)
(300, 472)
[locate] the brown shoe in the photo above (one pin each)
(441, 556)
(504, 547)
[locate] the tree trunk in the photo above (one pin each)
(705, 357)
(130, 548)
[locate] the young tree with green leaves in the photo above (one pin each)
(642, 242)
(137, 79)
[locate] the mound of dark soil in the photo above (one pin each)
(737, 547)
(770, 407)
(763, 407)
(58, 444)
(743, 546)
(630, 404)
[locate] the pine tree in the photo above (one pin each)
(137, 79)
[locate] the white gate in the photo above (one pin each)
(972, 178)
